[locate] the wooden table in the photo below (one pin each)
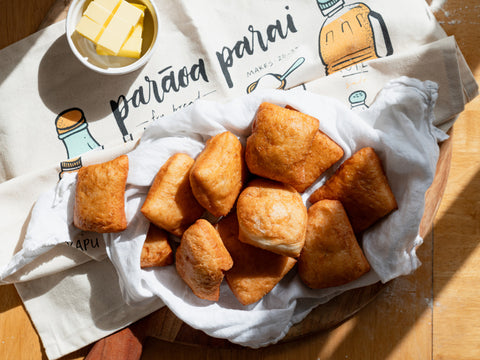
(431, 314)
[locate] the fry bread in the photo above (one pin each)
(331, 255)
(255, 271)
(170, 203)
(156, 250)
(272, 216)
(201, 260)
(219, 173)
(100, 196)
(279, 144)
(362, 186)
(322, 155)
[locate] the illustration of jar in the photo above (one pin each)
(72, 129)
(357, 100)
(348, 37)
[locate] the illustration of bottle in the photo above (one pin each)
(357, 100)
(349, 35)
(72, 129)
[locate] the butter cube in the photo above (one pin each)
(132, 48)
(129, 13)
(140, 6)
(137, 30)
(115, 34)
(98, 13)
(110, 5)
(89, 28)
(115, 26)
(103, 51)
(140, 22)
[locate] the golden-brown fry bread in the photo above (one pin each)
(362, 187)
(255, 271)
(272, 216)
(219, 173)
(156, 250)
(322, 155)
(331, 255)
(170, 203)
(201, 260)
(279, 144)
(100, 196)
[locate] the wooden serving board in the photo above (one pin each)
(164, 325)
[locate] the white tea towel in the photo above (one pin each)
(399, 126)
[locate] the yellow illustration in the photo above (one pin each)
(347, 36)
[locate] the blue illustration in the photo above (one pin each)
(357, 100)
(72, 129)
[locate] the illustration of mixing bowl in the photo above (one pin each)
(274, 81)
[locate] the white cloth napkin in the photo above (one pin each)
(399, 126)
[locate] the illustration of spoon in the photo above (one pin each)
(275, 81)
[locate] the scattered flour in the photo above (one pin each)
(429, 302)
(457, 15)
(437, 5)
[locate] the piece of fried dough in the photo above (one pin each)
(322, 155)
(170, 203)
(219, 173)
(279, 144)
(331, 255)
(272, 216)
(100, 196)
(255, 271)
(362, 186)
(156, 250)
(201, 260)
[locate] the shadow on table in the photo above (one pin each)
(12, 32)
(63, 82)
(423, 300)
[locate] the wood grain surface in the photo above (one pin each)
(431, 314)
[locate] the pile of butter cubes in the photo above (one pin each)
(115, 26)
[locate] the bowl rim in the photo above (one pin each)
(70, 29)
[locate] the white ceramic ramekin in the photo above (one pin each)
(85, 51)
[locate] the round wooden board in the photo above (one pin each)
(164, 325)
